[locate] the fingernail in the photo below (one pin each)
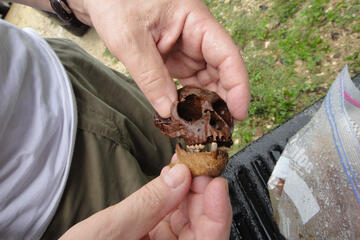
(162, 106)
(174, 177)
(174, 158)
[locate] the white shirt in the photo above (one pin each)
(37, 132)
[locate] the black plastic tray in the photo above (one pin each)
(248, 172)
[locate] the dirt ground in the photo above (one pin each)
(24, 16)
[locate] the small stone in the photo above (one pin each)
(259, 131)
(337, 55)
(263, 7)
(335, 36)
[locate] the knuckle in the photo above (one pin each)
(150, 80)
(153, 196)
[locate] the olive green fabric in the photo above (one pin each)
(117, 148)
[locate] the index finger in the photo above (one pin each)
(200, 183)
(220, 51)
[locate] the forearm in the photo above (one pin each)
(77, 6)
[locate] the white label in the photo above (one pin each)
(281, 168)
(301, 195)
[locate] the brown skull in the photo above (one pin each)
(199, 116)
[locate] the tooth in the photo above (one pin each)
(213, 147)
(190, 148)
(200, 146)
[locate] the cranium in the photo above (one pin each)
(199, 117)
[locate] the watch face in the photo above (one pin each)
(62, 10)
(65, 7)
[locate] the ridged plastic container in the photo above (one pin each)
(248, 172)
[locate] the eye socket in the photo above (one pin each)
(215, 122)
(220, 108)
(190, 108)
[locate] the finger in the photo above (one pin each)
(146, 207)
(135, 216)
(190, 81)
(164, 170)
(212, 85)
(177, 221)
(174, 158)
(195, 206)
(207, 38)
(217, 208)
(217, 202)
(200, 183)
(162, 232)
(220, 51)
(238, 99)
(215, 222)
(208, 75)
(202, 78)
(144, 62)
(182, 65)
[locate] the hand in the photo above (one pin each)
(205, 213)
(158, 40)
(207, 209)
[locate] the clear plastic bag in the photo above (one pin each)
(315, 186)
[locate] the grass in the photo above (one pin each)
(288, 54)
(108, 54)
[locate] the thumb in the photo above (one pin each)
(145, 64)
(144, 209)
(135, 216)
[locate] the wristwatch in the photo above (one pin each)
(66, 15)
(63, 11)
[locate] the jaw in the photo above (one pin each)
(209, 163)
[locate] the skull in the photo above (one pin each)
(199, 117)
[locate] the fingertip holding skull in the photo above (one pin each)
(203, 123)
